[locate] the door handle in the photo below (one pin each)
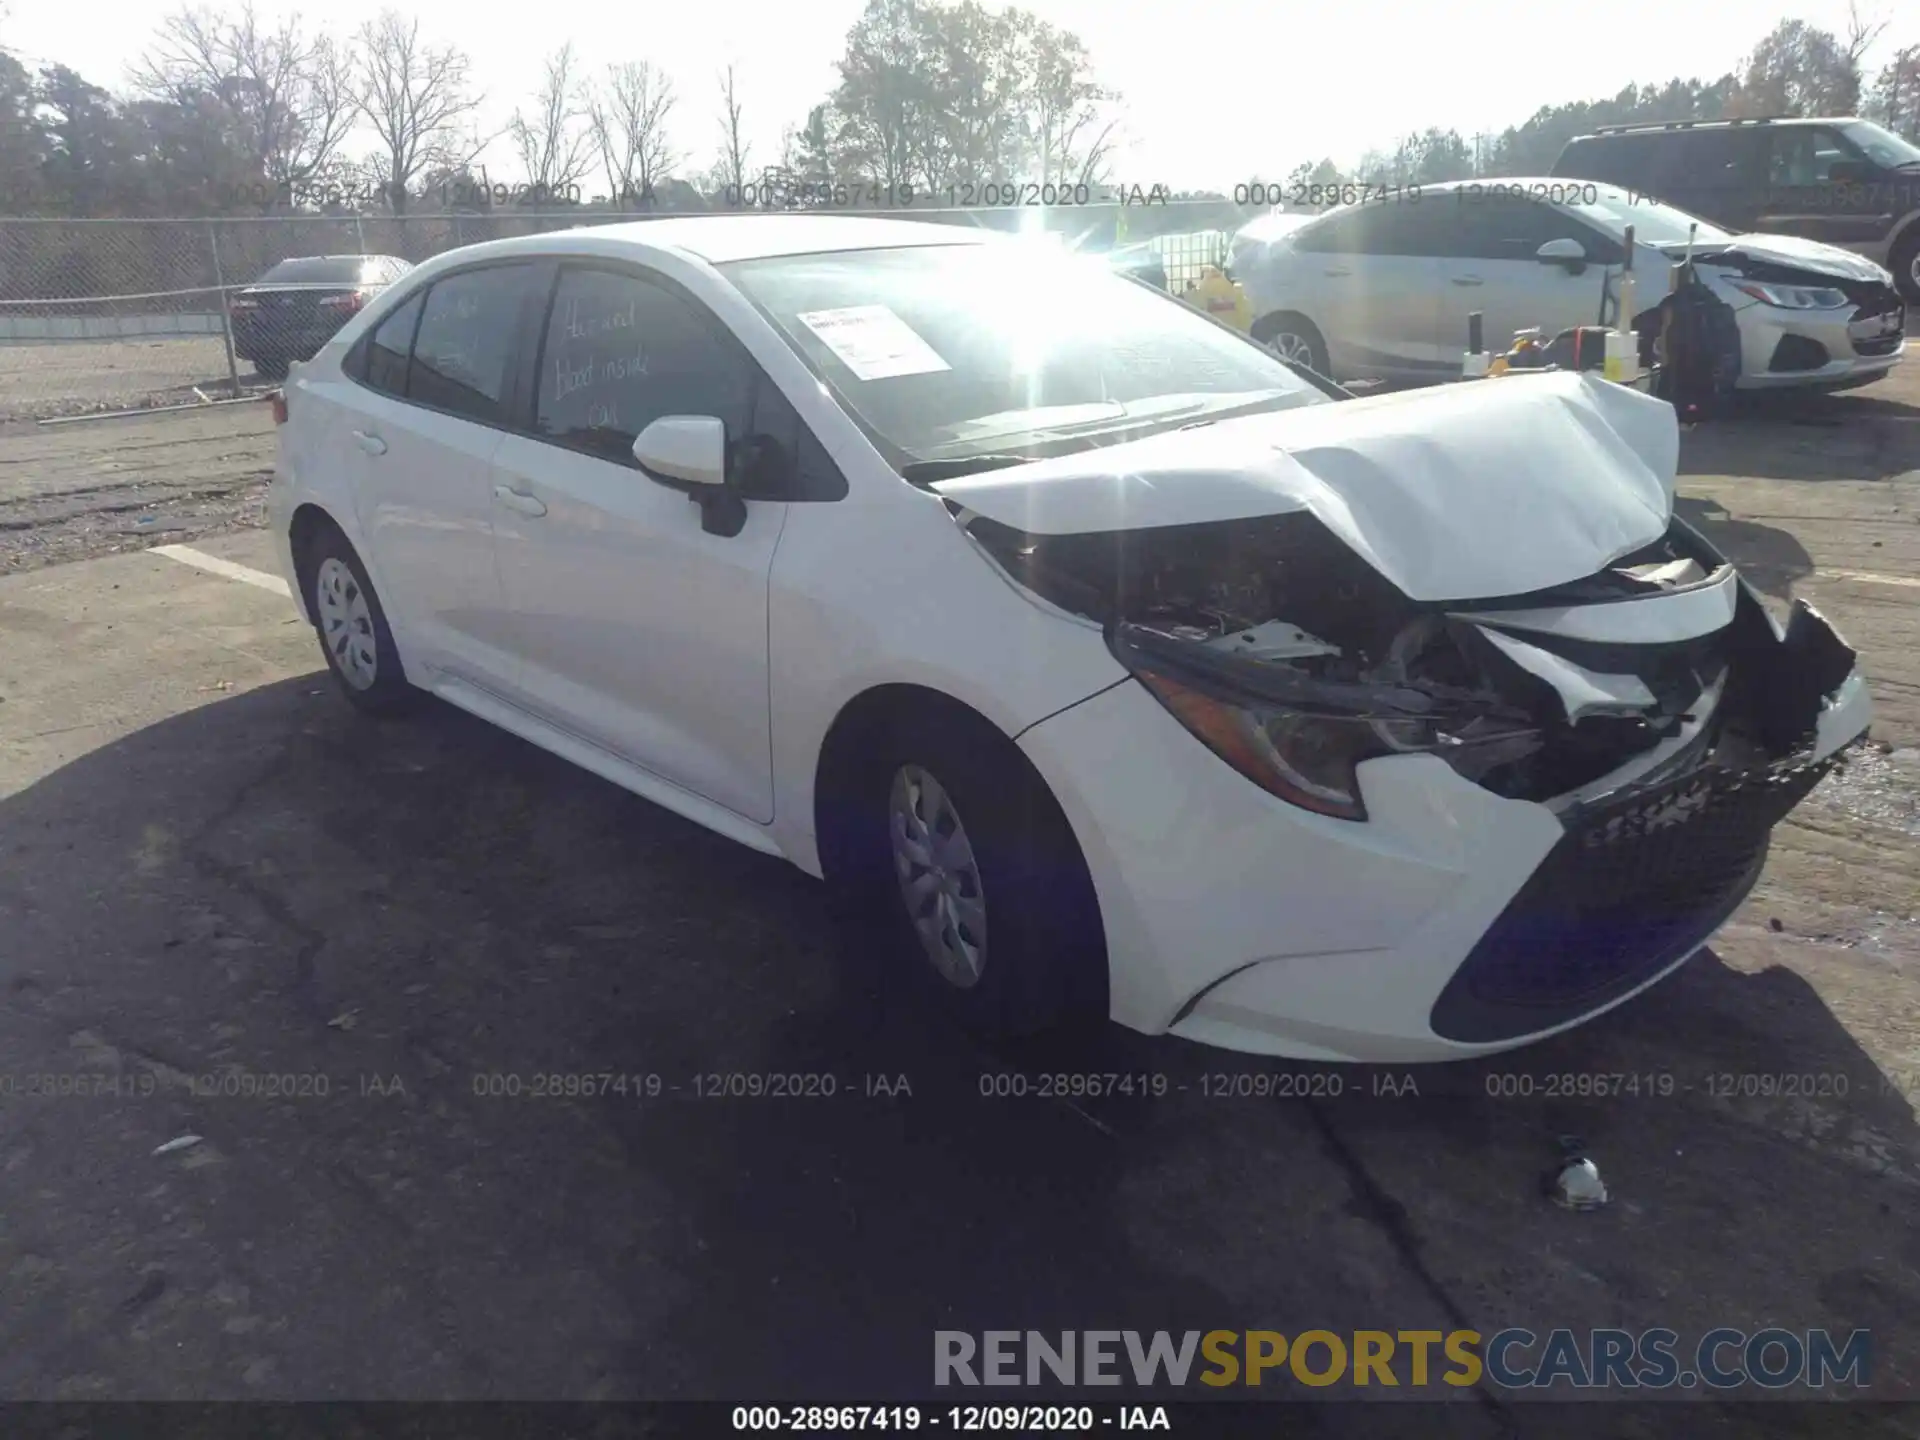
(369, 442)
(1338, 274)
(519, 500)
(1468, 280)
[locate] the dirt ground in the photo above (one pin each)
(209, 868)
(86, 376)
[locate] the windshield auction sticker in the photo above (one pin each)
(873, 342)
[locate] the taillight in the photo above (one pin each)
(348, 303)
(278, 399)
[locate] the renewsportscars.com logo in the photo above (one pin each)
(1515, 1359)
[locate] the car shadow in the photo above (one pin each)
(616, 1109)
(1865, 434)
(1773, 559)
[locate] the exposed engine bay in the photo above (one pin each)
(1659, 664)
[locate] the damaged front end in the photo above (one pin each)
(1654, 706)
(1298, 662)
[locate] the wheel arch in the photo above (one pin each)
(844, 748)
(312, 518)
(1271, 323)
(308, 522)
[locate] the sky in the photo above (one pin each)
(1213, 92)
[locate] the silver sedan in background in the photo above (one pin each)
(1383, 288)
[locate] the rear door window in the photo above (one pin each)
(1427, 227)
(387, 349)
(1624, 160)
(463, 353)
(1693, 160)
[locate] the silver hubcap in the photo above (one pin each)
(939, 877)
(1289, 346)
(346, 624)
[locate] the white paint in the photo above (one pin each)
(704, 671)
(1453, 492)
(214, 565)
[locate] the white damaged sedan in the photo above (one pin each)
(1120, 669)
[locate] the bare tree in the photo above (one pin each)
(629, 117)
(291, 93)
(1862, 31)
(733, 150)
(1800, 69)
(417, 101)
(1071, 135)
(554, 142)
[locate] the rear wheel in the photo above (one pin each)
(985, 897)
(352, 626)
(1296, 339)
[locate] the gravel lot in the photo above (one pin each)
(82, 377)
(97, 487)
(211, 868)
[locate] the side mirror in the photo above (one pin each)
(684, 451)
(1568, 253)
(689, 452)
(1847, 172)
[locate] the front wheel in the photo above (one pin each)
(1905, 264)
(990, 907)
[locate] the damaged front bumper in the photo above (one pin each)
(1454, 919)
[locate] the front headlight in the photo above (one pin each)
(1792, 297)
(1307, 760)
(1303, 737)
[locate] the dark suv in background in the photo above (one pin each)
(1844, 181)
(298, 305)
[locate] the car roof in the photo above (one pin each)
(1681, 127)
(718, 239)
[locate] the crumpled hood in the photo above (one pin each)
(1813, 255)
(1466, 491)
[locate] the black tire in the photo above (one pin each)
(1904, 261)
(389, 692)
(1271, 327)
(1044, 959)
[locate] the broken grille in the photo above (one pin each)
(1633, 885)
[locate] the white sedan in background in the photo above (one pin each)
(1120, 669)
(1382, 289)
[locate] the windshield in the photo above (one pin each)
(322, 270)
(1653, 223)
(1881, 145)
(948, 351)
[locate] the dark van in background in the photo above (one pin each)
(1844, 181)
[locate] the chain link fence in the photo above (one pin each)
(98, 316)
